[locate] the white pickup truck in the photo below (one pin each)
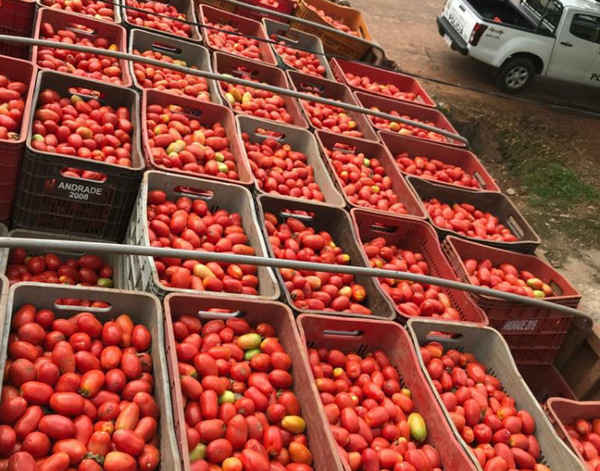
(523, 38)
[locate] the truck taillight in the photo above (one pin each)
(476, 34)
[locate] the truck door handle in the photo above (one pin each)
(566, 44)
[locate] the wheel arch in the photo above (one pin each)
(537, 61)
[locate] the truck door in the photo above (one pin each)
(577, 47)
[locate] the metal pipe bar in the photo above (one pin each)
(230, 79)
(124, 249)
(304, 21)
(261, 10)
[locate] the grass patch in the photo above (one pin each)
(552, 183)
(542, 168)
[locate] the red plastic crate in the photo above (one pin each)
(207, 114)
(60, 19)
(562, 412)
(242, 24)
(12, 151)
(495, 203)
(341, 67)
(330, 141)
(534, 334)
(320, 442)
(417, 236)
(336, 221)
(236, 66)
(16, 20)
(385, 105)
(364, 336)
(398, 144)
(282, 6)
(48, 200)
(333, 91)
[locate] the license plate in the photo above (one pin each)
(448, 39)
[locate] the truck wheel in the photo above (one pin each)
(515, 74)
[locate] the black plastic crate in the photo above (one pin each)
(48, 200)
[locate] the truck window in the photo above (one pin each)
(586, 27)
(549, 12)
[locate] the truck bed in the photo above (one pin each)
(502, 10)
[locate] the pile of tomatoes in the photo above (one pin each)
(87, 270)
(177, 140)
(412, 299)
(406, 129)
(256, 102)
(86, 129)
(435, 170)
(280, 169)
(331, 118)
(240, 410)
(373, 86)
(506, 277)
(161, 78)
(12, 105)
(220, 37)
(167, 22)
(467, 220)
(83, 64)
(304, 61)
(95, 8)
(500, 436)
(189, 225)
(319, 291)
(336, 23)
(371, 416)
(78, 394)
(585, 437)
(364, 180)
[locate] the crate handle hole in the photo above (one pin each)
(74, 304)
(443, 336)
(240, 71)
(477, 176)
(385, 229)
(286, 213)
(311, 88)
(262, 133)
(220, 314)
(343, 148)
(80, 29)
(186, 110)
(166, 48)
(344, 333)
(87, 93)
(515, 227)
(556, 288)
(196, 192)
(71, 172)
(287, 36)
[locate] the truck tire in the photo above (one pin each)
(515, 74)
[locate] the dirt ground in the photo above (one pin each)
(545, 157)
